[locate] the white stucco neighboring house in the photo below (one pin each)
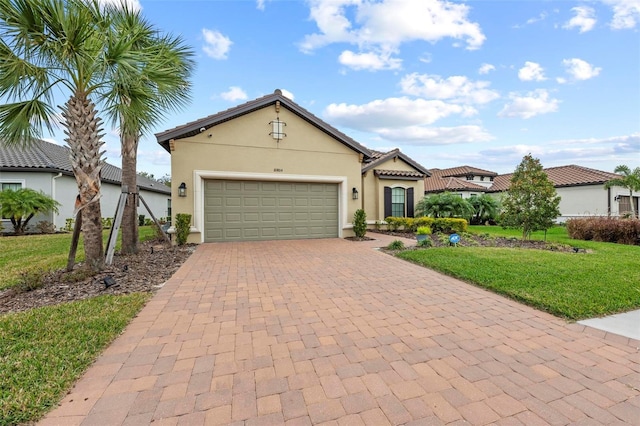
(581, 189)
(46, 167)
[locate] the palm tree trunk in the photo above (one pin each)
(83, 137)
(129, 178)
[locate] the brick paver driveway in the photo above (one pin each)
(307, 332)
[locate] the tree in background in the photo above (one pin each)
(485, 208)
(531, 203)
(630, 180)
(21, 205)
(444, 204)
(164, 179)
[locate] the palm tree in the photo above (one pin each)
(445, 204)
(630, 180)
(21, 205)
(72, 47)
(161, 84)
(485, 208)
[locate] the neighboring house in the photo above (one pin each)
(269, 169)
(581, 189)
(466, 181)
(46, 167)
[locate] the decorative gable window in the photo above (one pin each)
(398, 202)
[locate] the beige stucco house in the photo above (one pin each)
(269, 169)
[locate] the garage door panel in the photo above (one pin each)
(253, 210)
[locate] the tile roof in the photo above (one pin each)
(42, 156)
(194, 127)
(562, 176)
(399, 173)
(440, 184)
(378, 158)
(461, 171)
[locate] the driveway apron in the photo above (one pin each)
(313, 331)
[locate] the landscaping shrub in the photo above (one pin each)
(46, 227)
(141, 220)
(360, 223)
(107, 222)
(68, 224)
(30, 280)
(423, 230)
(425, 243)
(393, 223)
(423, 221)
(183, 223)
(605, 229)
(396, 245)
(449, 225)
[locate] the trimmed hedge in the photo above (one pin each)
(605, 229)
(441, 224)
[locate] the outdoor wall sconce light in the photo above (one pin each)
(277, 129)
(182, 190)
(354, 194)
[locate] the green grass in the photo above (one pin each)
(45, 350)
(574, 286)
(42, 253)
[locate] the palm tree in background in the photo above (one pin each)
(74, 48)
(629, 179)
(160, 85)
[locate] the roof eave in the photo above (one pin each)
(194, 128)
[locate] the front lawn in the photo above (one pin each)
(575, 286)
(45, 350)
(43, 253)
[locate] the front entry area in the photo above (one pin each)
(236, 210)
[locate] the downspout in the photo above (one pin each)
(53, 195)
(609, 202)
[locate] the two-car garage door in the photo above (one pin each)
(253, 210)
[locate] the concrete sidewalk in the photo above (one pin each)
(334, 332)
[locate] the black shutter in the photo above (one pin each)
(387, 201)
(410, 202)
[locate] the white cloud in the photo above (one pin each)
(579, 69)
(234, 94)
(541, 17)
(369, 61)
(532, 104)
(216, 44)
(486, 68)
(584, 19)
(382, 26)
(287, 94)
(626, 13)
(429, 136)
(531, 72)
(456, 88)
(132, 4)
(393, 113)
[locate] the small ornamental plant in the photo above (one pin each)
(183, 223)
(396, 245)
(423, 230)
(360, 223)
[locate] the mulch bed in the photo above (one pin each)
(146, 271)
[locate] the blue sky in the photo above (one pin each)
(450, 83)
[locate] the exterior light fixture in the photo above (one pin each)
(277, 129)
(354, 194)
(182, 190)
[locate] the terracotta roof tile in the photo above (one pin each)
(561, 176)
(399, 173)
(440, 184)
(461, 171)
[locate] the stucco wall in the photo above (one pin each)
(373, 202)
(243, 149)
(64, 190)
